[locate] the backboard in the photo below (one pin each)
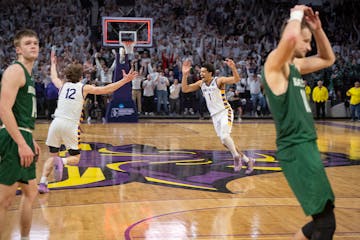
(115, 28)
(127, 36)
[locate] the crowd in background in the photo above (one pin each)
(203, 31)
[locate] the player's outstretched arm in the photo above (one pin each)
(185, 87)
(53, 72)
(235, 77)
(90, 89)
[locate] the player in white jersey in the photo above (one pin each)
(64, 129)
(213, 89)
(70, 101)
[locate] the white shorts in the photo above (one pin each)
(223, 123)
(63, 131)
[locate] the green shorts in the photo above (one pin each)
(10, 169)
(306, 176)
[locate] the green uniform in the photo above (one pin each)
(297, 150)
(24, 110)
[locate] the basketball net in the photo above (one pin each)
(128, 46)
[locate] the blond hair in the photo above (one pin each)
(24, 33)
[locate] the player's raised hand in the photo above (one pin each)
(302, 8)
(230, 63)
(52, 55)
(313, 19)
(186, 66)
(130, 76)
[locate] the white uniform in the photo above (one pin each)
(219, 108)
(64, 129)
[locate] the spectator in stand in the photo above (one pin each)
(162, 84)
(244, 94)
(354, 94)
(87, 78)
(40, 96)
(89, 68)
(257, 98)
(105, 73)
(174, 98)
(320, 95)
(233, 97)
(148, 95)
(136, 91)
(188, 98)
(52, 94)
(199, 97)
(105, 77)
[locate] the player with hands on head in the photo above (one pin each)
(213, 90)
(297, 150)
(64, 129)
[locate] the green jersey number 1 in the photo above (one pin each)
(33, 111)
(304, 98)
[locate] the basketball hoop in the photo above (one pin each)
(128, 46)
(128, 40)
(118, 29)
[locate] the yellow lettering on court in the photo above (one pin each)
(85, 147)
(156, 180)
(192, 163)
(91, 175)
(267, 158)
(182, 162)
(105, 151)
(116, 166)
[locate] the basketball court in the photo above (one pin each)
(173, 179)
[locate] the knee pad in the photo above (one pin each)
(324, 223)
(74, 152)
(54, 149)
(308, 229)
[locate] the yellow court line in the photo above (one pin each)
(150, 179)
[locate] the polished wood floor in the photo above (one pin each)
(173, 180)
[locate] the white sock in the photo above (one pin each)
(43, 179)
(245, 158)
(229, 143)
(64, 160)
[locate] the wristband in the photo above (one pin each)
(296, 15)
